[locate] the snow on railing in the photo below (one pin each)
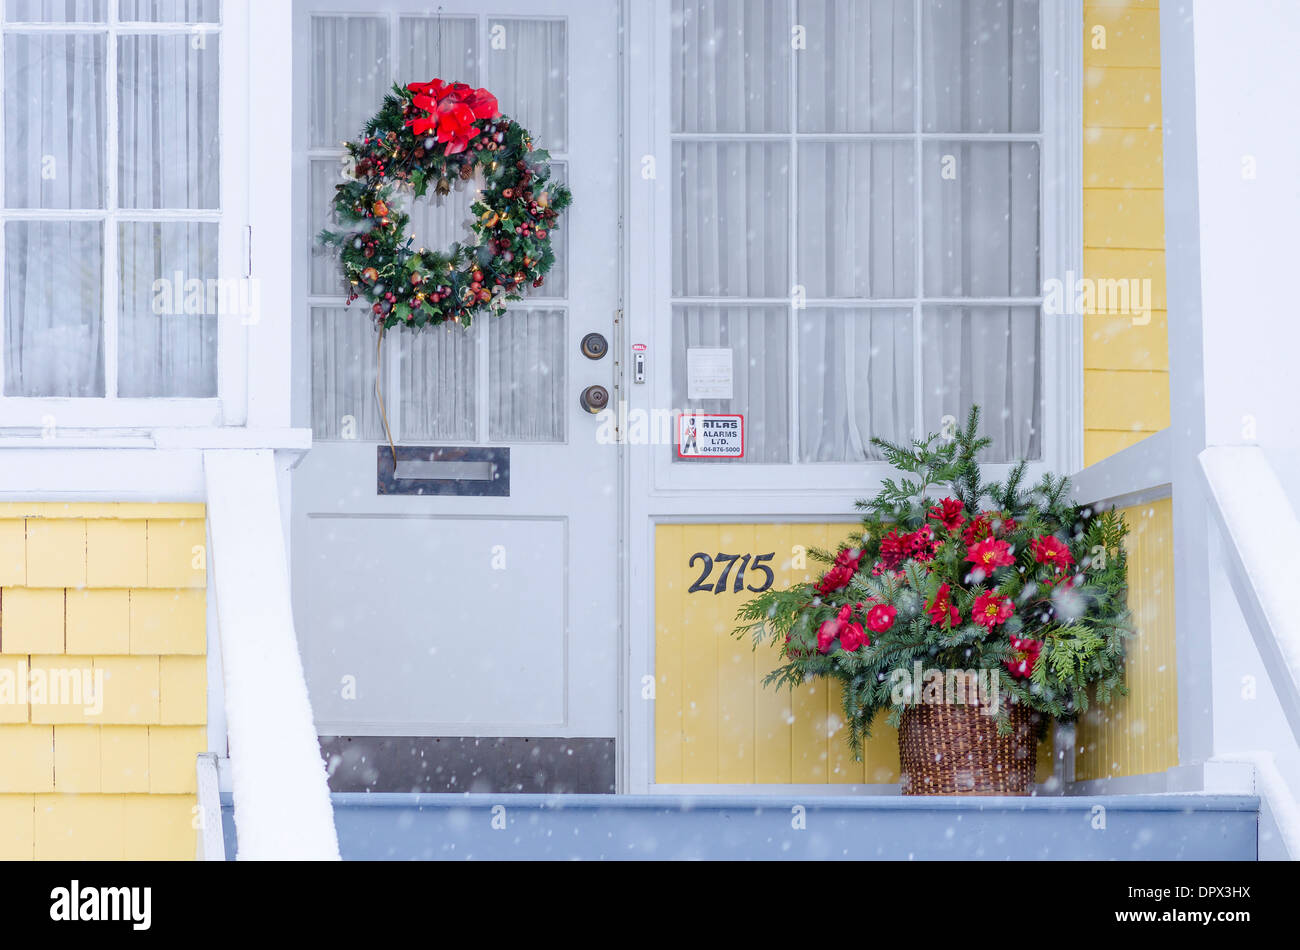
(281, 797)
(1259, 529)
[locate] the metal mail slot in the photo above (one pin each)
(431, 468)
(443, 470)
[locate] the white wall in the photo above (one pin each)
(1247, 84)
(1247, 88)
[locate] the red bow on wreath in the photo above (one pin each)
(451, 109)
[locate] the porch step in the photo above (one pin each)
(394, 826)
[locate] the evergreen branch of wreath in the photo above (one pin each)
(434, 134)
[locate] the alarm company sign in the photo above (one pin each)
(710, 436)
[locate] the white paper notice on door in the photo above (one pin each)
(708, 373)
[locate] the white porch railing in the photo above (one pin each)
(281, 796)
(1259, 530)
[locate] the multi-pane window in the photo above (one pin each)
(111, 200)
(503, 380)
(857, 219)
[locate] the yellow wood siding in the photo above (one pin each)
(114, 593)
(1126, 363)
(715, 722)
(1138, 733)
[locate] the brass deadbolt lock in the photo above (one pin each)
(594, 346)
(594, 399)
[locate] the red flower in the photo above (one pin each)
(826, 634)
(846, 565)
(881, 617)
(1051, 550)
(892, 550)
(450, 110)
(853, 636)
(991, 610)
(942, 611)
(989, 554)
(976, 529)
(1027, 651)
(949, 513)
(981, 527)
(920, 544)
(483, 103)
(849, 557)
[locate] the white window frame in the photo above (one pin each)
(1061, 182)
(230, 406)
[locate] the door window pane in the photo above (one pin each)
(527, 398)
(438, 48)
(528, 72)
(54, 11)
(344, 363)
(440, 382)
(349, 76)
(54, 282)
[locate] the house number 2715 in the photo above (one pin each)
(741, 562)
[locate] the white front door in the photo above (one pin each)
(488, 606)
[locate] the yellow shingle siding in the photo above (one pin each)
(715, 721)
(1137, 734)
(103, 679)
(1125, 356)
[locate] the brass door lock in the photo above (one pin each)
(594, 399)
(594, 346)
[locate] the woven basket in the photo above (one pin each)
(956, 750)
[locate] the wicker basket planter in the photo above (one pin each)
(956, 750)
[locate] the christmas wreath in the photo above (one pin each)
(438, 133)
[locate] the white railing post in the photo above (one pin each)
(212, 842)
(282, 804)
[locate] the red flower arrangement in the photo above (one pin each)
(972, 578)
